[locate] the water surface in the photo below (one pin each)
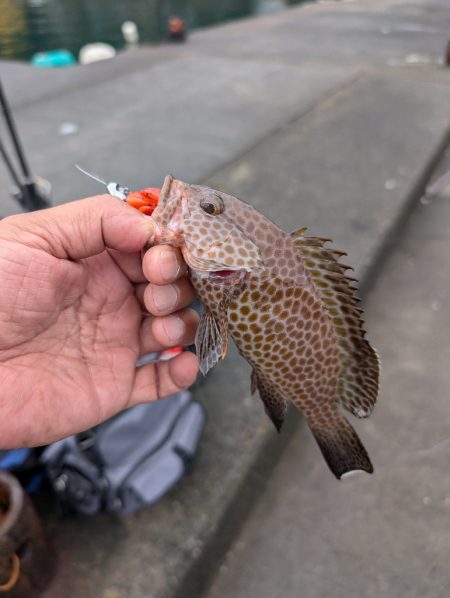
(29, 26)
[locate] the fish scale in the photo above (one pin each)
(289, 307)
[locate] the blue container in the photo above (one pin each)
(53, 59)
(24, 464)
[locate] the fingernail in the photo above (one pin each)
(169, 267)
(149, 228)
(165, 298)
(173, 327)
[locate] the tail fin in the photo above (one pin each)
(341, 447)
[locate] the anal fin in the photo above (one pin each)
(274, 404)
(340, 445)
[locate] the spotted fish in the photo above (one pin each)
(288, 305)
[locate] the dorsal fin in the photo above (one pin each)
(358, 385)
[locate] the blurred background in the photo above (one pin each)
(333, 115)
(29, 26)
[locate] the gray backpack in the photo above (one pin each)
(129, 461)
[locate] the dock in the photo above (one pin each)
(330, 115)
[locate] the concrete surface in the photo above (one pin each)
(347, 167)
(318, 117)
(355, 33)
(388, 534)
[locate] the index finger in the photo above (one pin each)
(163, 264)
(81, 229)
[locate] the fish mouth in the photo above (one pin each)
(225, 273)
(226, 276)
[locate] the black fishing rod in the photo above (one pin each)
(28, 193)
(9, 165)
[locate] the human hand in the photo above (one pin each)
(73, 292)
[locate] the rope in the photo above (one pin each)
(15, 573)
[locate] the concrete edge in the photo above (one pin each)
(201, 572)
(157, 52)
(311, 106)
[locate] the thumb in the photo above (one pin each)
(81, 229)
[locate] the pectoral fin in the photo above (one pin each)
(274, 404)
(211, 340)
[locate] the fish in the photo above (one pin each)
(288, 304)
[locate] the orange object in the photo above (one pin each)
(144, 200)
(176, 25)
(170, 353)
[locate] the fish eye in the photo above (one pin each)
(213, 205)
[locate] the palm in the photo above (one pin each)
(72, 331)
(71, 325)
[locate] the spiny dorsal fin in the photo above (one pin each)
(358, 385)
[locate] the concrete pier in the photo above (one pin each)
(332, 116)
